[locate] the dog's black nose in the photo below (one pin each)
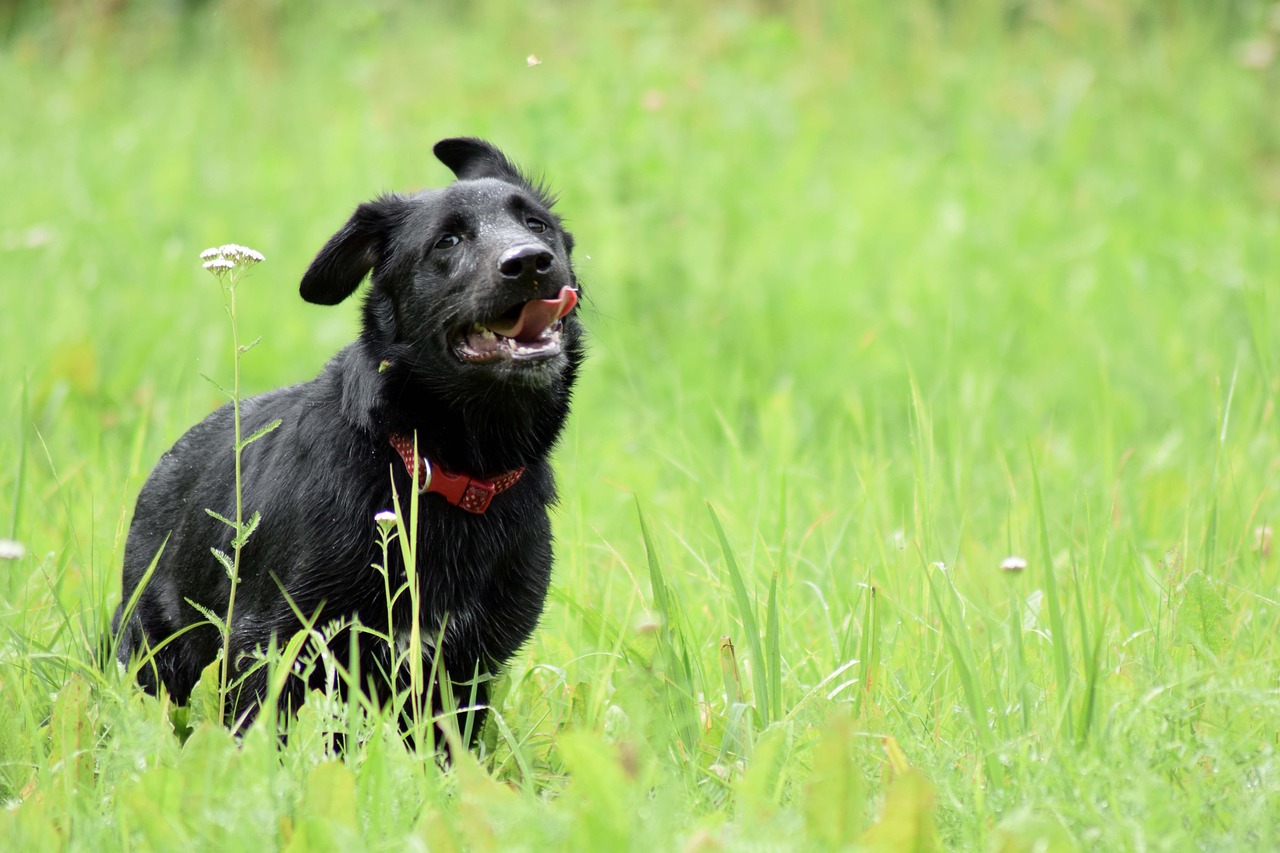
(525, 261)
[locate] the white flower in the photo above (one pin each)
(216, 265)
(220, 260)
(241, 254)
(11, 550)
(1013, 565)
(385, 517)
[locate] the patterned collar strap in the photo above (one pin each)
(471, 493)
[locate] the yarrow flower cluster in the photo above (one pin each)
(386, 521)
(221, 260)
(11, 550)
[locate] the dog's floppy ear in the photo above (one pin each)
(471, 158)
(346, 259)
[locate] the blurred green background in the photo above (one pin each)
(900, 289)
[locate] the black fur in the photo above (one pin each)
(319, 479)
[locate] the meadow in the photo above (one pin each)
(921, 485)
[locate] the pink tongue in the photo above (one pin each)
(536, 317)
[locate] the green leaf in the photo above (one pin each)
(247, 530)
(907, 825)
(259, 433)
(1202, 615)
(601, 788)
(149, 805)
(327, 819)
(213, 618)
(204, 704)
(836, 801)
(228, 522)
(212, 382)
(225, 559)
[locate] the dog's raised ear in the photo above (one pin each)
(347, 258)
(471, 158)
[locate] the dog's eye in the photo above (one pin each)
(537, 226)
(448, 241)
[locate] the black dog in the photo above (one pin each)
(471, 344)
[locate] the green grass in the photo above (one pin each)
(898, 292)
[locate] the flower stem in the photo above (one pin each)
(229, 292)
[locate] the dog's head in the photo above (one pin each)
(475, 278)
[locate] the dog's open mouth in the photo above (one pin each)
(527, 332)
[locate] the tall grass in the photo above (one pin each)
(901, 291)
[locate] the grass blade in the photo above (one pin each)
(962, 656)
(1057, 625)
(746, 612)
(773, 648)
(680, 690)
(22, 463)
(126, 612)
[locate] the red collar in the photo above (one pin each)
(471, 493)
